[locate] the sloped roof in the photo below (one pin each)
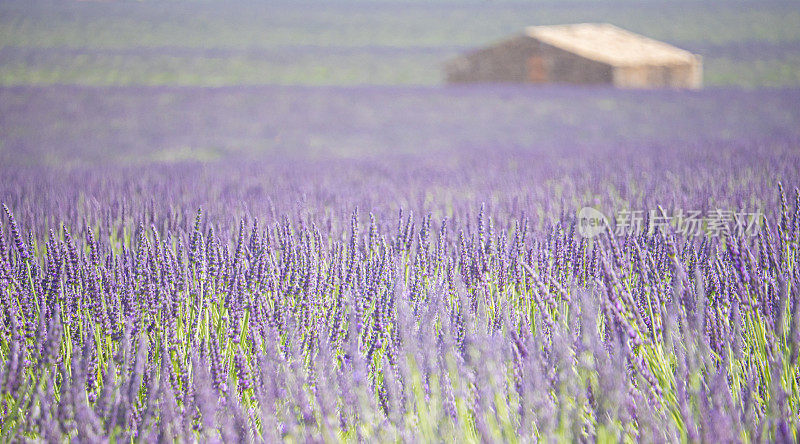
(608, 44)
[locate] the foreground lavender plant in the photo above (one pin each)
(484, 327)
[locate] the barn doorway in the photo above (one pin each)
(537, 70)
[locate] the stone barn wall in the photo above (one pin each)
(659, 76)
(503, 62)
(566, 67)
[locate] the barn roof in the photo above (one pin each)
(608, 44)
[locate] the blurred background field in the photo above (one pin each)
(744, 44)
(65, 125)
(166, 82)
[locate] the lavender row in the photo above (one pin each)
(68, 125)
(484, 326)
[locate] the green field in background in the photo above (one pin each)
(748, 44)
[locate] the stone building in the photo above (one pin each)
(585, 53)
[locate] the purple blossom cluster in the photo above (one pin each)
(379, 299)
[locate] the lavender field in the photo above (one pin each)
(308, 264)
(353, 259)
(76, 125)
